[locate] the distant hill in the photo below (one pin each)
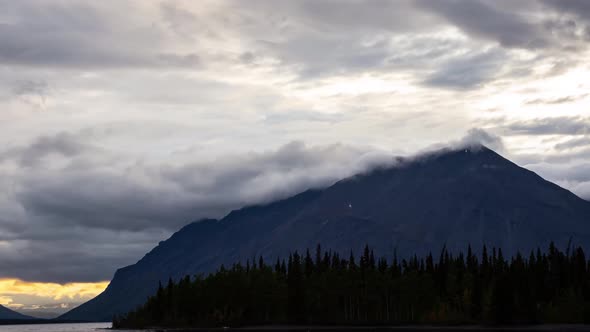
(449, 198)
(6, 313)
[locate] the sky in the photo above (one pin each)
(121, 121)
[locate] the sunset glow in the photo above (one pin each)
(18, 294)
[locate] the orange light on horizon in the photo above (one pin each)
(15, 293)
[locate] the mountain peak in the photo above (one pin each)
(451, 197)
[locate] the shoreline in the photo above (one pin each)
(328, 328)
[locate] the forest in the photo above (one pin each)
(325, 288)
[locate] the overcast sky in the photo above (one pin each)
(121, 121)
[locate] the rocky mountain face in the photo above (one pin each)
(449, 198)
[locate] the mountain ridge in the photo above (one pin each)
(8, 314)
(450, 197)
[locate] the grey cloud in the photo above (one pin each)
(304, 116)
(468, 71)
(142, 197)
(30, 87)
(555, 101)
(481, 136)
(573, 143)
(474, 138)
(80, 35)
(422, 52)
(564, 172)
(583, 190)
(105, 216)
(577, 21)
(568, 157)
(551, 126)
(483, 20)
(322, 38)
(181, 21)
(62, 144)
(317, 55)
(32, 92)
(580, 8)
(571, 173)
(74, 254)
(182, 60)
(559, 158)
(332, 16)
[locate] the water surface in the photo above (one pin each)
(85, 327)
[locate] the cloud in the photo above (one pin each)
(579, 8)
(83, 206)
(291, 116)
(61, 144)
(468, 71)
(574, 175)
(551, 126)
(579, 172)
(337, 15)
(23, 88)
(573, 143)
(168, 196)
(556, 101)
(31, 92)
(478, 136)
(483, 20)
(83, 35)
(48, 298)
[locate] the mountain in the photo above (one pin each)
(6, 313)
(449, 198)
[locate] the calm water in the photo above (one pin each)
(88, 327)
(101, 327)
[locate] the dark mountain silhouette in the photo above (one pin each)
(8, 314)
(450, 198)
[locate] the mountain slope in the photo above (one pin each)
(6, 313)
(452, 198)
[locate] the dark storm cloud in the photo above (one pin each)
(109, 215)
(551, 126)
(86, 190)
(74, 254)
(482, 19)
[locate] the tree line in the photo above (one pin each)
(327, 288)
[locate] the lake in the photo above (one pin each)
(100, 327)
(86, 327)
